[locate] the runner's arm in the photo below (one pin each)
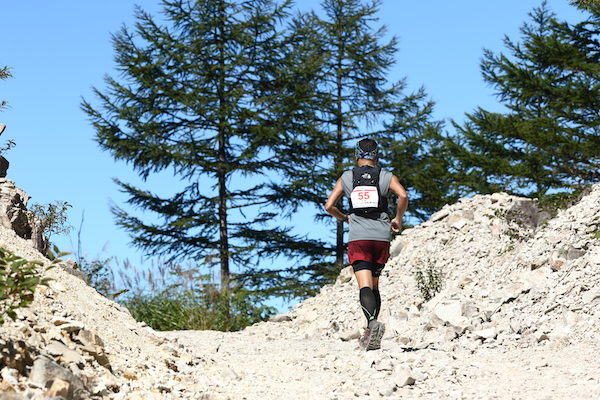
(334, 197)
(398, 189)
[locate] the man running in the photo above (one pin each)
(367, 188)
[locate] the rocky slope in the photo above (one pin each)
(516, 318)
(510, 277)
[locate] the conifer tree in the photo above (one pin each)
(420, 159)
(548, 140)
(585, 3)
(355, 99)
(202, 98)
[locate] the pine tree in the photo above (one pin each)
(420, 159)
(202, 98)
(548, 140)
(585, 4)
(353, 99)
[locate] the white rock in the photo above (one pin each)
(489, 333)
(403, 376)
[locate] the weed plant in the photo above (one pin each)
(51, 220)
(18, 281)
(53, 217)
(171, 297)
(429, 281)
(168, 296)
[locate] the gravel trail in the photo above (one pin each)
(256, 364)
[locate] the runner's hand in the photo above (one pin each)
(396, 225)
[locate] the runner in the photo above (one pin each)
(369, 236)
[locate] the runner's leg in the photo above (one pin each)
(366, 296)
(376, 273)
(377, 302)
(368, 304)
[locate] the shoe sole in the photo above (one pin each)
(377, 332)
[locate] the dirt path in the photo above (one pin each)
(258, 365)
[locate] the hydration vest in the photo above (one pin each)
(366, 199)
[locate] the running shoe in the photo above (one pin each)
(377, 331)
(362, 342)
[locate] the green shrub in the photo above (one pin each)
(204, 310)
(53, 217)
(18, 280)
(429, 281)
(99, 274)
(171, 297)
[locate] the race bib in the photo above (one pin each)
(364, 197)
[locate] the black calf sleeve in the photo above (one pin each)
(377, 302)
(368, 303)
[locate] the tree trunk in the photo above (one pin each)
(339, 159)
(339, 254)
(223, 238)
(222, 175)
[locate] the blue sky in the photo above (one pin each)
(58, 50)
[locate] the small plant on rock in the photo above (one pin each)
(429, 281)
(9, 144)
(53, 217)
(5, 73)
(99, 274)
(18, 280)
(50, 219)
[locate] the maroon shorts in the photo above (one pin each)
(375, 252)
